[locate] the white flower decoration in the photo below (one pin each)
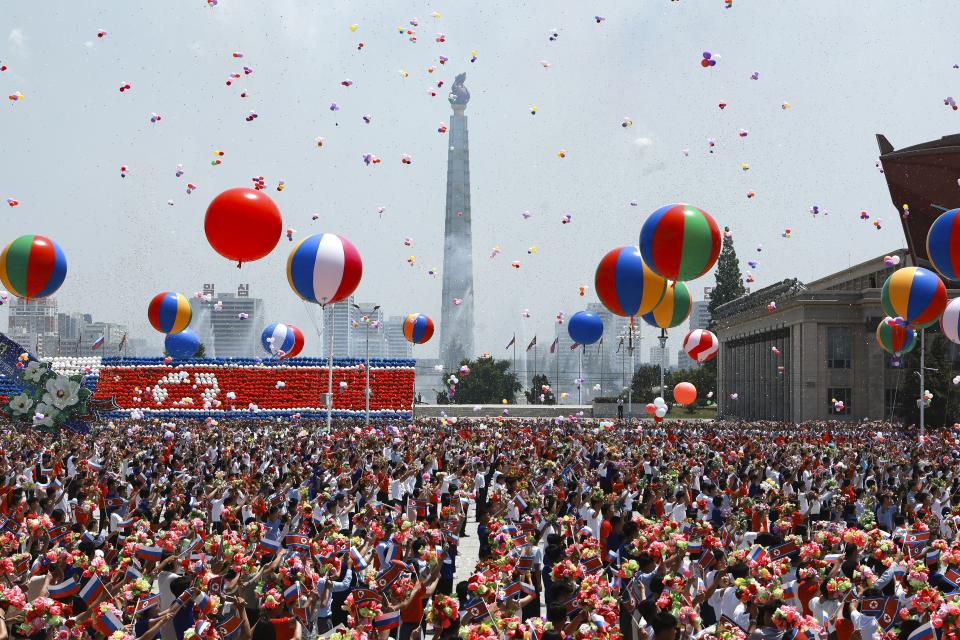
(20, 404)
(34, 371)
(61, 392)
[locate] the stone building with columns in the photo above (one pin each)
(818, 345)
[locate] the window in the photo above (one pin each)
(838, 347)
(834, 397)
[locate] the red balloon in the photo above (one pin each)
(684, 393)
(243, 224)
(650, 408)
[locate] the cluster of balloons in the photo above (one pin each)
(658, 408)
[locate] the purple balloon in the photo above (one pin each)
(707, 55)
(713, 63)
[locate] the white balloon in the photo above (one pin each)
(662, 411)
(659, 402)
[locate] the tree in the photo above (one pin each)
(704, 378)
(728, 277)
(536, 390)
(489, 382)
(945, 407)
(644, 380)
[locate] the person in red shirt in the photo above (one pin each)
(411, 612)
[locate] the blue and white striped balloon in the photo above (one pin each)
(283, 340)
(950, 321)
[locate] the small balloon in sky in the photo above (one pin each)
(125, 86)
(281, 185)
(380, 210)
(101, 33)
(191, 187)
(251, 116)
(545, 64)
(786, 233)
(567, 219)
(237, 54)
(242, 316)
(864, 215)
(408, 242)
(743, 133)
(515, 264)
(755, 75)
(179, 170)
(534, 109)
(334, 106)
(876, 224)
(531, 250)
(290, 233)
(404, 73)
(473, 56)
(443, 59)
(711, 144)
(493, 252)
(751, 195)
(155, 118)
(627, 122)
(891, 261)
(526, 215)
(708, 60)
(354, 27)
(599, 19)
(950, 102)
(433, 271)
(634, 203)
(320, 142)
(247, 70)
(752, 264)
(347, 82)
(369, 158)
(123, 171)
(722, 105)
(562, 153)
(440, 37)
(744, 166)
(406, 159)
(457, 301)
(759, 248)
(411, 260)
(442, 128)
(785, 105)
(12, 202)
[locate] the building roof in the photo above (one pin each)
(759, 298)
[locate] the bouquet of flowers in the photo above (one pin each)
(947, 617)
(40, 614)
(688, 616)
(443, 611)
(838, 587)
(350, 634)
(12, 597)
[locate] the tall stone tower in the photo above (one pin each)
(456, 320)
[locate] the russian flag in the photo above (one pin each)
(358, 561)
(451, 538)
(933, 557)
(613, 557)
(201, 628)
(923, 632)
(149, 553)
(694, 548)
(790, 593)
(832, 557)
(65, 589)
(520, 502)
(268, 546)
(98, 343)
(94, 466)
(126, 524)
(292, 593)
(387, 620)
(202, 600)
(92, 590)
(110, 621)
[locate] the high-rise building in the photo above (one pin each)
(32, 317)
(236, 321)
(396, 345)
(658, 355)
(346, 322)
(112, 335)
(456, 320)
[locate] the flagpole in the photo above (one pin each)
(333, 324)
(601, 366)
(580, 378)
(515, 353)
(556, 342)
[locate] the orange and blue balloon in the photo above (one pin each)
(895, 338)
(32, 267)
(417, 328)
(282, 340)
(943, 244)
(324, 268)
(585, 327)
(626, 285)
(680, 242)
(673, 310)
(169, 312)
(914, 294)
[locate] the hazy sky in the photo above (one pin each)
(849, 69)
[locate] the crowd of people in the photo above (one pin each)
(282, 530)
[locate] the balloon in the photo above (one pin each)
(324, 268)
(701, 345)
(169, 312)
(418, 328)
(659, 402)
(243, 224)
(282, 340)
(32, 267)
(625, 285)
(650, 408)
(183, 344)
(950, 321)
(684, 393)
(661, 411)
(673, 310)
(585, 327)
(915, 294)
(943, 244)
(680, 242)
(896, 338)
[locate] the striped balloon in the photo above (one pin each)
(324, 268)
(950, 321)
(943, 244)
(680, 242)
(894, 338)
(282, 340)
(32, 267)
(673, 310)
(625, 285)
(417, 328)
(915, 294)
(701, 345)
(169, 312)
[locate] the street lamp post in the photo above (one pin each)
(365, 319)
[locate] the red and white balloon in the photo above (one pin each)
(701, 345)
